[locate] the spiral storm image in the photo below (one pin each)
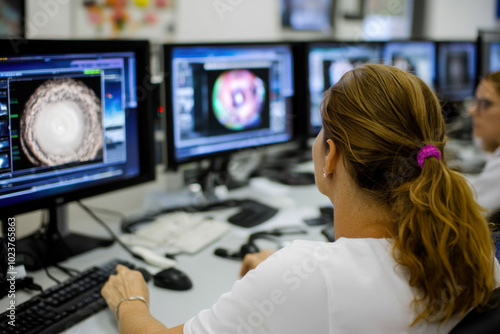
(61, 123)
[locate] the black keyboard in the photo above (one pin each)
(252, 213)
(62, 306)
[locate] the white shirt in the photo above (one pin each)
(349, 286)
(487, 184)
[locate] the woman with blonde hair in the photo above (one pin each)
(412, 254)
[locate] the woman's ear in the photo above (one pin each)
(331, 158)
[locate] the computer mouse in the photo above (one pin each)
(172, 279)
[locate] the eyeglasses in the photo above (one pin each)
(480, 104)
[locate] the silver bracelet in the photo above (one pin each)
(141, 298)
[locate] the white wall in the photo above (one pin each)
(223, 20)
(260, 19)
(48, 18)
(458, 19)
(226, 20)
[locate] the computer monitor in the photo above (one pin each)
(12, 14)
(417, 57)
(456, 70)
(227, 97)
(74, 122)
(489, 51)
(314, 15)
(327, 63)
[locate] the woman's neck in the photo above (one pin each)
(356, 215)
(357, 218)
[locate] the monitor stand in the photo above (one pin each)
(289, 177)
(251, 212)
(53, 243)
(216, 174)
(280, 168)
(204, 184)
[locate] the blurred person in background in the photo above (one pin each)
(485, 111)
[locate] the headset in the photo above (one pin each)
(251, 247)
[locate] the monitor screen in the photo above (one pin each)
(417, 57)
(327, 64)
(307, 15)
(456, 70)
(489, 51)
(494, 57)
(72, 123)
(227, 97)
(11, 18)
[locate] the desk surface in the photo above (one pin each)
(211, 275)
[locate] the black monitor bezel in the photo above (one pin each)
(22, 22)
(484, 38)
(10, 47)
(172, 163)
(412, 41)
(439, 43)
(286, 24)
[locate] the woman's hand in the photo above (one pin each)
(253, 259)
(126, 283)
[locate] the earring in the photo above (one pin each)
(324, 175)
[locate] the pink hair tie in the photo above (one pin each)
(426, 152)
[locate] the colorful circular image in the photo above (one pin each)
(238, 99)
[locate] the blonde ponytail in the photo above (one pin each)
(444, 241)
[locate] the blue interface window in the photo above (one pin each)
(226, 98)
(494, 57)
(65, 121)
(418, 58)
(327, 64)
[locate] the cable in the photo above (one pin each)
(44, 235)
(251, 247)
(137, 252)
(28, 281)
(108, 212)
(106, 227)
(41, 266)
(68, 271)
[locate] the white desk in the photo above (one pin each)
(211, 275)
